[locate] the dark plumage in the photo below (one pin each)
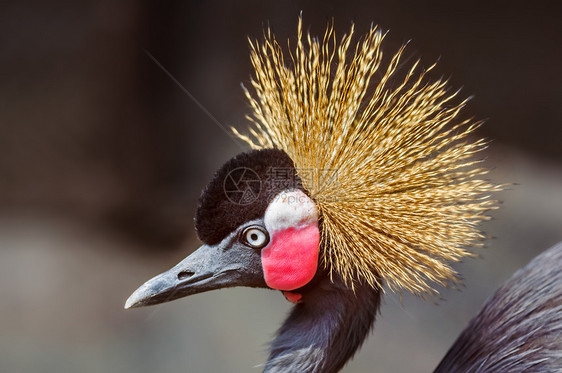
(324, 332)
(223, 206)
(519, 329)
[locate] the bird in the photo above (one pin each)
(360, 179)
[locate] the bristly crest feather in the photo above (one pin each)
(388, 163)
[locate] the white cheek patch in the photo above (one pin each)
(290, 209)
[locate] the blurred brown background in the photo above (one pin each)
(102, 158)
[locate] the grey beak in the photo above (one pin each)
(226, 264)
(197, 273)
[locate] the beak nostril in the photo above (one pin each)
(184, 275)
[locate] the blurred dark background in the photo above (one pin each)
(103, 156)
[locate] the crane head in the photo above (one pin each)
(259, 228)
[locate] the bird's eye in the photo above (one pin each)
(255, 237)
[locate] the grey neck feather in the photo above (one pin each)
(324, 332)
(520, 327)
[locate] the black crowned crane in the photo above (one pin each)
(360, 177)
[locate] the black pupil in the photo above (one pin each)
(254, 236)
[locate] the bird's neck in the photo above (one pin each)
(324, 331)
